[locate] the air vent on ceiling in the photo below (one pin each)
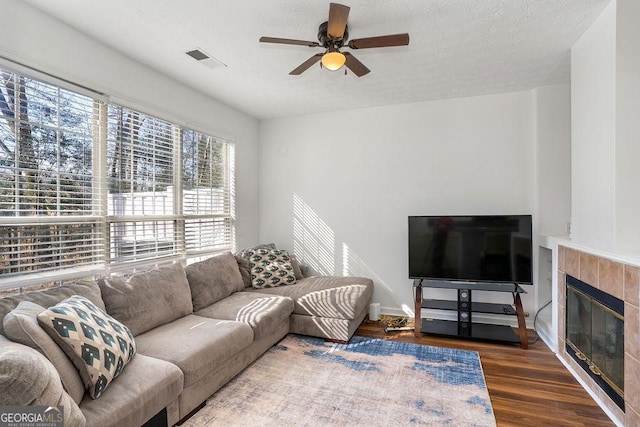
(205, 59)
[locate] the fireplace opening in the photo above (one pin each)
(595, 336)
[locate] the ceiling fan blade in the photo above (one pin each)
(306, 64)
(357, 67)
(289, 41)
(380, 41)
(338, 14)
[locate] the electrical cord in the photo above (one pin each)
(392, 324)
(394, 321)
(535, 320)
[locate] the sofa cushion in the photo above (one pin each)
(52, 296)
(195, 344)
(326, 296)
(270, 268)
(98, 345)
(147, 386)
(28, 378)
(213, 279)
(21, 325)
(262, 312)
(148, 299)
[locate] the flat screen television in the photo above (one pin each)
(487, 248)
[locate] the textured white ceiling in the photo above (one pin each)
(458, 48)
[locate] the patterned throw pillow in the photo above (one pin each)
(270, 268)
(97, 344)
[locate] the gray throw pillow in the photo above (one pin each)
(21, 326)
(305, 270)
(297, 270)
(28, 378)
(149, 299)
(245, 252)
(245, 270)
(213, 279)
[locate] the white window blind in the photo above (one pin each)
(49, 206)
(142, 213)
(207, 193)
(84, 185)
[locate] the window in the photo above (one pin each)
(49, 218)
(206, 197)
(140, 179)
(85, 184)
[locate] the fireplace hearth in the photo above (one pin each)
(595, 336)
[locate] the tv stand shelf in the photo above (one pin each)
(464, 326)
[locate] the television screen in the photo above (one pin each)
(490, 248)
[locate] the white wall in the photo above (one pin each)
(553, 204)
(627, 126)
(605, 104)
(553, 158)
(593, 134)
(337, 188)
(38, 41)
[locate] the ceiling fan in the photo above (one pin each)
(332, 36)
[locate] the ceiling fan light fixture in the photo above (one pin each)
(333, 60)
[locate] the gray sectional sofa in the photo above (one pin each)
(194, 328)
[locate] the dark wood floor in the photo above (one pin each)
(527, 387)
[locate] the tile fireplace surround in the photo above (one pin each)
(622, 281)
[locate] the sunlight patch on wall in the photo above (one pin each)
(313, 239)
(353, 265)
(408, 311)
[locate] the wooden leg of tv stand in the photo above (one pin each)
(522, 324)
(417, 321)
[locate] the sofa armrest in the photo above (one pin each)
(27, 378)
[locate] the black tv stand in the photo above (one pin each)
(465, 306)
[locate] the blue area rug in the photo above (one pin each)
(304, 381)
